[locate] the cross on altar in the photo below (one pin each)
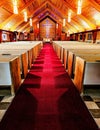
(47, 25)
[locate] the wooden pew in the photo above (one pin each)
(32, 49)
(92, 70)
(10, 72)
(12, 68)
(22, 54)
(90, 54)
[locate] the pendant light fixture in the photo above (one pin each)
(69, 16)
(15, 8)
(30, 21)
(64, 22)
(79, 8)
(25, 16)
(57, 25)
(38, 25)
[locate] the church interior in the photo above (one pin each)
(50, 65)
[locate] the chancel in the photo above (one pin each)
(49, 65)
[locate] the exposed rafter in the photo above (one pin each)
(57, 10)
(31, 15)
(81, 16)
(2, 3)
(94, 4)
(13, 15)
(23, 27)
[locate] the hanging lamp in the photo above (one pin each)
(15, 8)
(25, 16)
(79, 8)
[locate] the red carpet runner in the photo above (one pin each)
(47, 100)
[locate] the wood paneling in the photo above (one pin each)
(47, 29)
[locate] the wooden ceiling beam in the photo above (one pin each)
(95, 5)
(60, 12)
(71, 28)
(24, 29)
(38, 2)
(20, 29)
(14, 15)
(28, 21)
(2, 3)
(17, 24)
(13, 28)
(50, 17)
(43, 12)
(77, 24)
(27, 29)
(81, 16)
(65, 16)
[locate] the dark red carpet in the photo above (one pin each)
(47, 100)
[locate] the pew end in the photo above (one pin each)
(70, 63)
(79, 73)
(15, 75)
(65, 58)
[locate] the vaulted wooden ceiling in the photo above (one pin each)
(89, 19)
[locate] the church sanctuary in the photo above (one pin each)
(49, 64)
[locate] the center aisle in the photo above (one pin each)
(47, 99)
